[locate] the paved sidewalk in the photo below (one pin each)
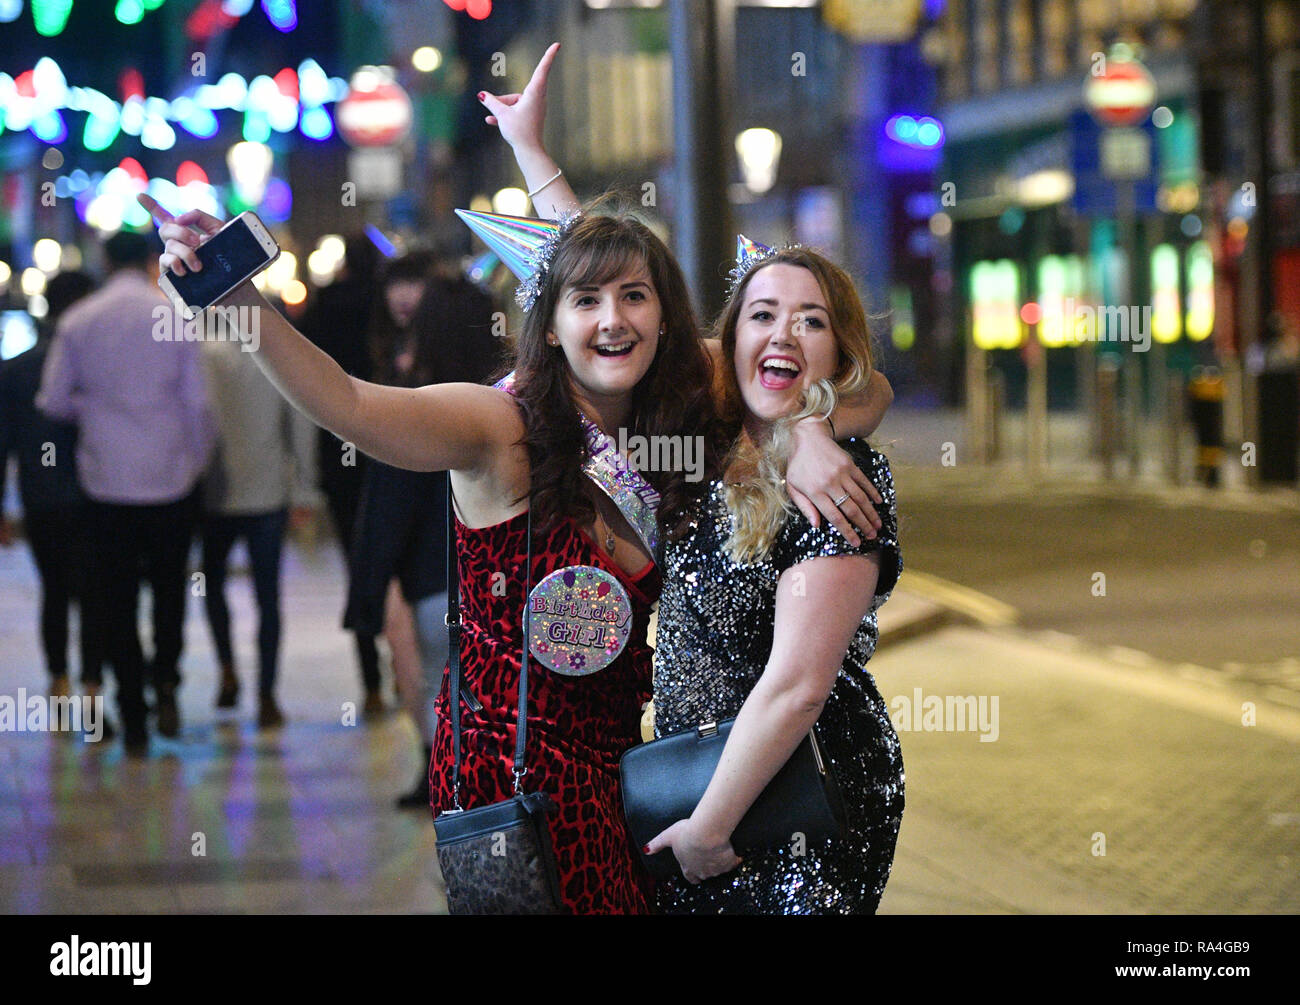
(1200, 813)
(1108, 788)
(225, 818)
(928, 450)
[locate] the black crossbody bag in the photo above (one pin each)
(664, 780)
(495, 859)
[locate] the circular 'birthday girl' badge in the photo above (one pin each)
(579, 620)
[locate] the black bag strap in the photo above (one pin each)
(457, 691)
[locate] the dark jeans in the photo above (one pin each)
(342, 487)
(263, 533)
(59, 539)
(131, 543)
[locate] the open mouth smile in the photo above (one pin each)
(777, 373)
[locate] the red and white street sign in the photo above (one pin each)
(1122, 95)
(375, 113)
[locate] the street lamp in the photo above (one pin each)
(759, 151)
(426, 59)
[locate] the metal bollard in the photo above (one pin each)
(1108, 414)
(997, 400)
(1174, 428)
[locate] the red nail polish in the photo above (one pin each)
(645, 850)
(481, 95)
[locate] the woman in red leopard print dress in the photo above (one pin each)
(578, 727)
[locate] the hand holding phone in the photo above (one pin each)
(203, 259)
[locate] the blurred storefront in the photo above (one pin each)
(1049, 214)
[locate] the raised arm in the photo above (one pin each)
(520, 118)
(436, 428)
(819, 605)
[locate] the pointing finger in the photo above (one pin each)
(538, 80)
(160, 215)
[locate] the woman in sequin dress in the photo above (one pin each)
(768, 619)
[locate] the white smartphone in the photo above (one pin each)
(237, 252)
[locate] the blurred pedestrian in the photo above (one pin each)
(144, 436)
(262, 475)
(54, 509)
(338, 323)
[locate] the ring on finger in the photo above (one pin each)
(837, 502)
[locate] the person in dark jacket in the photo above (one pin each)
(338, 323)
(432, 326)
(54, 509)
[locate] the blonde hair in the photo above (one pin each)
(755, 491)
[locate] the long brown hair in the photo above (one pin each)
(672, 399)
(755, 494)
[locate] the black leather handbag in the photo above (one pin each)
(664, 780)
(495, 859)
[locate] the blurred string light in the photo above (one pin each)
(133, 11)
(6, 273)
(50, 16)
(36, 99)
(923, 133)
(9, 10)
(277, 203)
(477, 9)
(129, 11)
(281, 13)
(250, 166)
(107, 202)
(188, 173)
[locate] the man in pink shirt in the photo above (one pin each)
(145, 435)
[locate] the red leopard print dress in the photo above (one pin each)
(578, 727)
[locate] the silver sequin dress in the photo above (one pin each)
(712, 643)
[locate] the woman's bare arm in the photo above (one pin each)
(437, 428)
(819, 605)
